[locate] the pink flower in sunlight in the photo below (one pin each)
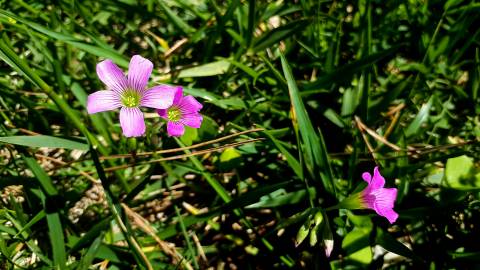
(129, 93)
(378, 198)
(183, 112)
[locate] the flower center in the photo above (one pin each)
(130, 98)
(174, 114)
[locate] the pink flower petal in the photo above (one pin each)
(193, 120)
(190, 105)
(100, 101)
(178, 95)
(390, 215)
(367, 177)
(384, 202)
(368, 199)
(139, 71)
(131, 120)
(159, 97)
(112, 76)
(328, 247)
(175, 129)
(377, 181)
(162, 113)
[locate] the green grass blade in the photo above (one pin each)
(89, 256)
(345, 72)
(175, 19)
(278, 34)
(55, 232)
(291, 160)
(422, 116)
(44, 141)
(43, 178)
(316, 155)
(205, 70)
(32, 222)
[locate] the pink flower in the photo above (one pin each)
(129, 93)
(183, 112)
(378, 198)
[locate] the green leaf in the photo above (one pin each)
(280, 197)
(44, 141)
(276, 35)
(345, 72)
(460, 173)
(291, 160)
(316, 231)
(303, 231)
(41, 175)
(87, 260)
(315, 152)
(55, 232)
(389, 243)
(175, 19)
(229, 154)
(364, 255)
(356, 240)
(92, 234)
(32, 222)
(205, 70)
(190, 135)
(420, 119)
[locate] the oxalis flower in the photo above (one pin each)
(374, 197)
(129, 93)
(183, 112)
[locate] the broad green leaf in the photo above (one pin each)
(205, 70)
(391, 244)
(364, 255)
(229, 154)
(460, 173)
(44, 141)
(190, 135)
(356, 240)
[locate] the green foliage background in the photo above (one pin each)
(331, 89)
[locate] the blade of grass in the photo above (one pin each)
(44, 141)
(89, 256)
(316, 155)
(55, 232)
(278, 34)
(175, 19)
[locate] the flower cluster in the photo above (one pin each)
(130, 92)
